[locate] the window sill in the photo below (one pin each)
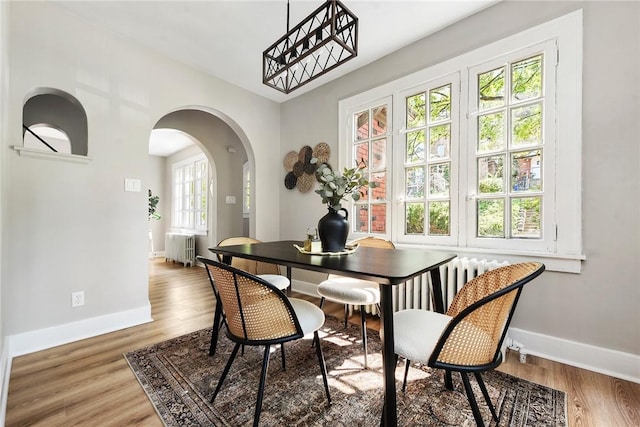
(565, 263)
(50, 155)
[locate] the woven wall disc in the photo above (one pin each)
(289, 160)
(305, 154)
(322, 152)
(290, 181)
(310, 168)
(305, 183)
(298, 168)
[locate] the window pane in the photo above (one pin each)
(439, 218)
(361, 153)
(416, 111)
(525, 217)
(526, 79)
(439, 138)
(378, 218)
(491, 132)
(415, 182)
(439, 178)
(491, 174)
(362, 218)
(379, 157)
(440, 103)
(415, 146)
(379, 192)
(380, 120)
(525, 171)
(491, 89)
(491, 218)
(361, 122)
(414, 218)
(527, 125)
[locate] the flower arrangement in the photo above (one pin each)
(335, 187)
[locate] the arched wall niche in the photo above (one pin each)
(58, 110)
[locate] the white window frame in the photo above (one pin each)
(562, 232)
(349, 147)
(175, 224)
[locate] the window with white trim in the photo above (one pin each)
(482, 152)
(190, 181)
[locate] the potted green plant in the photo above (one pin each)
(153, 203)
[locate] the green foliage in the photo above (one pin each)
(491, 218)
(490, 185)
(335, 187)
(415, 218)
(153, 203)
(439, 218)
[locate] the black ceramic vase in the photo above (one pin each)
(333, 229)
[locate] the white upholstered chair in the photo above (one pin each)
(352, 291)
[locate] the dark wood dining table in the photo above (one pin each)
(388, 268)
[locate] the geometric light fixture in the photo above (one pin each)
(325, 39)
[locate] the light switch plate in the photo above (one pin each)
(231, 200)
(132, 184)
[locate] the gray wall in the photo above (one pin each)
(71, 226)
(600, 306)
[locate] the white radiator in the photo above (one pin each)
(416, 293)
(180, 248)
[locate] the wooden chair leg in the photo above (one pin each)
(485, 393)
(472, 399)
(225, 371)
(263, 378)
(363, 322)
(323, 366)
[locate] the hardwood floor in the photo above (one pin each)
(88, 383)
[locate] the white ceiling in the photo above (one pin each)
(227, 38)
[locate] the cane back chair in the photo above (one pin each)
(468, 338)
(266, 271)
(259, 314)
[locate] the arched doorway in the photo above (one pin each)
(211, 134)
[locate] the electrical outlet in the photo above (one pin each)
(77, 299)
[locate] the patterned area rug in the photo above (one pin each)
(179, 378)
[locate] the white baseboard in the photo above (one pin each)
(42, 339)
(614, 363)
(306, 288)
